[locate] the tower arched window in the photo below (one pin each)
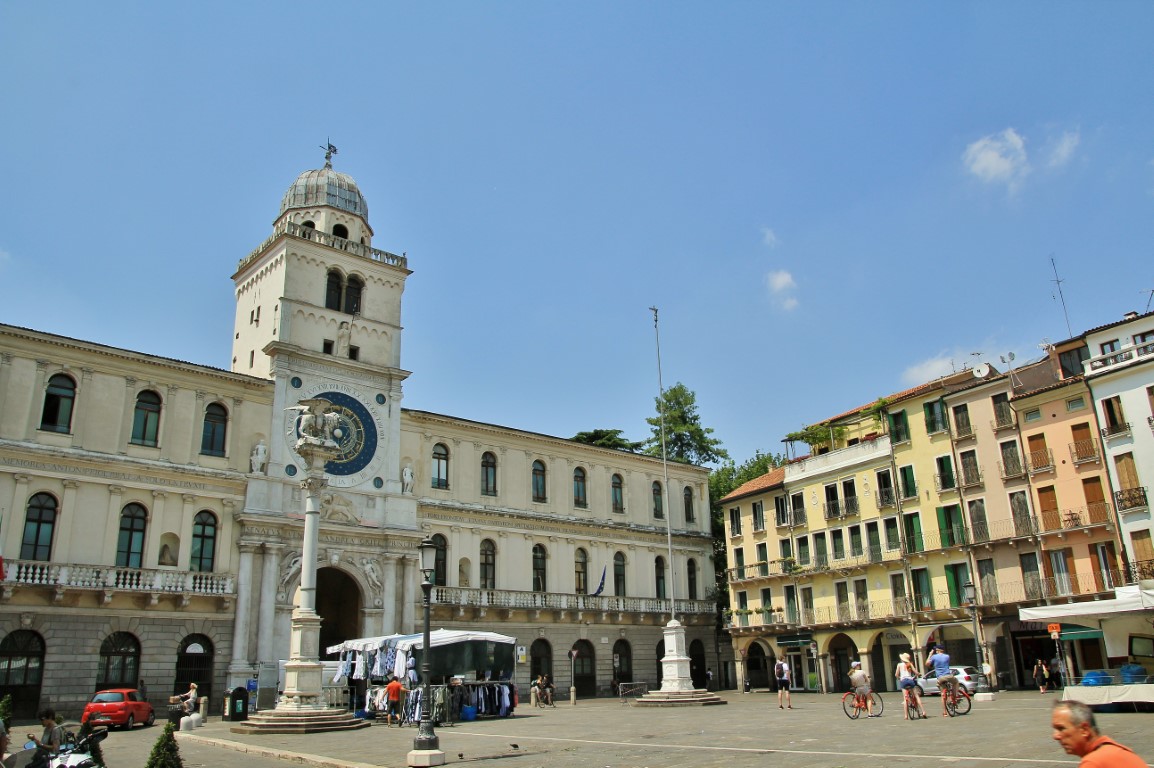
(658, 507)
(59, 399)
(540, 580)
(581, 571)
(146, 419)
(580, 495)
(334, 290)
(212, 439)
(488, 474)
(343, 294)
(353, 289)
(440, 572)
(691, 576)
(39, 527)
(203, 552)
(130, 542)
(618, 490)
(440, 473)
(687, 495)
(341, 231)
(619, 574)
(539, 489)
(488, 564)
(659, 575)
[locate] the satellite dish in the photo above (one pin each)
(981, 370)
(1011, 356)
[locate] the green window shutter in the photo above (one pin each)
(952, 586)
(944, 528)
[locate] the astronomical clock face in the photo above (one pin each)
(360, 434)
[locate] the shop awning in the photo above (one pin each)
(795, 641)
(1076, 632)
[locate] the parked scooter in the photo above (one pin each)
(74, 753)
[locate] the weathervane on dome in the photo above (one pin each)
(330, 150)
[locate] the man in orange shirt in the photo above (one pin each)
(1075, 729)
(393, 701)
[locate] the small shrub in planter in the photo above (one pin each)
(165, 752)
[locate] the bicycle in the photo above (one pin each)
(958, 700)
(854, 705)
(910, 702)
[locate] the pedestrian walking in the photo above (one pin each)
(1041, 675)
(781, 674)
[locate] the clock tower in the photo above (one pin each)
(318, 311)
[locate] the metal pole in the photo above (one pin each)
(980, 651)
(665, 466)
(426, 739)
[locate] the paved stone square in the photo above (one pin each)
(749, 731)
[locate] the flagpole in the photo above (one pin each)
(665, 467)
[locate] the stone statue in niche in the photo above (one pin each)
(372, 573)
(167, 556)
(258, 458)
(343, 335)
(289, 570)
(407, 479)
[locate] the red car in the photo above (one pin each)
(118, 706)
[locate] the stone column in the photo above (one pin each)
(127, 414)
(409, 593)
(266, 621)
(390, 594)
(240, 667)
(80, 412)
(34, 412)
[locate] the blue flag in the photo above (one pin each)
(600, 586)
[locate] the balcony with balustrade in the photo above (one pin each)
(945, 482)
(758, 622)
(1040, 461)
(885, 498)
(1011, 469)
(1091, 515)
(1003, 418)
(963, 430)
(1118, 429)
(971, 477)
(837, 509)
(932, 541)
(1022, 526)
(508, 604)
(105, 585)
(1084, 451)
(1131, 499)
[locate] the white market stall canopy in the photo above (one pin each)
(417, 642)
(1131, 599)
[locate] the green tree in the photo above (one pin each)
(608, 438)
(686, 440)
(165, 752)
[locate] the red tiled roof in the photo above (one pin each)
(770, 479)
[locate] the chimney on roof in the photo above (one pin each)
(1130, 315)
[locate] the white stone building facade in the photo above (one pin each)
(151, 509)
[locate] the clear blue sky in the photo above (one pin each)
(827, 201)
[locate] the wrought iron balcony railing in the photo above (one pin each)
(971, 477)
(963, 430)
(1092, 514)
(1040, 461)
(886, 497)
(945, 481)
(1003, 418)
(1084, 451)
(1130, 498)
(1011, 469)
(1116, 430)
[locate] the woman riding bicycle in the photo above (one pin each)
(907, 678)
(861, 685)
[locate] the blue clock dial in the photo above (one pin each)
(357, 438)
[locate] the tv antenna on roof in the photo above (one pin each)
(1150, 294)
(1008, 359)
(1058, 282)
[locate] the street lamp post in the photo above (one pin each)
(426, 744)
(971, 594)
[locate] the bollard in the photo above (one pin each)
(533, 696)
(197, 719)
(573, 695)
(186, 723)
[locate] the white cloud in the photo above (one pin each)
(1063, 149)
(927, 370)
(780, 281)
(769, 237)
(999, 158)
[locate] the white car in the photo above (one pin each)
(967, 676)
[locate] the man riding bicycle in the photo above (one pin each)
(939, 661)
